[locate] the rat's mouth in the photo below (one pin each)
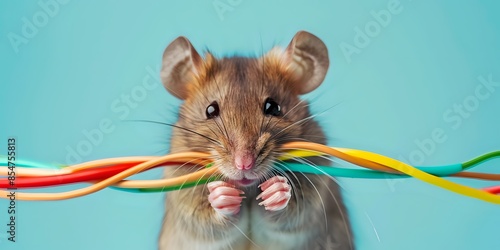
(245, 182)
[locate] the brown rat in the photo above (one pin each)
(241, 110)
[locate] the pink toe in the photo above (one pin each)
(275, 187)
(276, 179)
(215, 184)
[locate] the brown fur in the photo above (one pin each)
(240, 86)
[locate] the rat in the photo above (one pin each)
(241, 110)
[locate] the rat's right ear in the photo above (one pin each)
(180, 64)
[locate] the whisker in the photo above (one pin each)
(179, 127)
(299, 202)
(298, 181)
(306, 106)
(221, 119)
(373, 226)
(291, 138)
(263, 70)
(309, 163)
(219, 127)
(213, 132)
(246, 236)
(288, 112)
(197, 181)
(301, 121)
(182, 166)
(319, 195)
(344, 219)
(229, 244)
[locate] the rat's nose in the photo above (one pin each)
(244, 160)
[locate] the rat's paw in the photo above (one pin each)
(224, 197)
(276, 193)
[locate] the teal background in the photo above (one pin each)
(386, 98)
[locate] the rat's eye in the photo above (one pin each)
(271, 107)
(212, 110)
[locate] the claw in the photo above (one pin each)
(276, 193)
(225, 198)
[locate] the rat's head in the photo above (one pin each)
(242, 109)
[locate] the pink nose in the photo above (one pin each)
(244, 161)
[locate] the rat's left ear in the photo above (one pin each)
(307, 59)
